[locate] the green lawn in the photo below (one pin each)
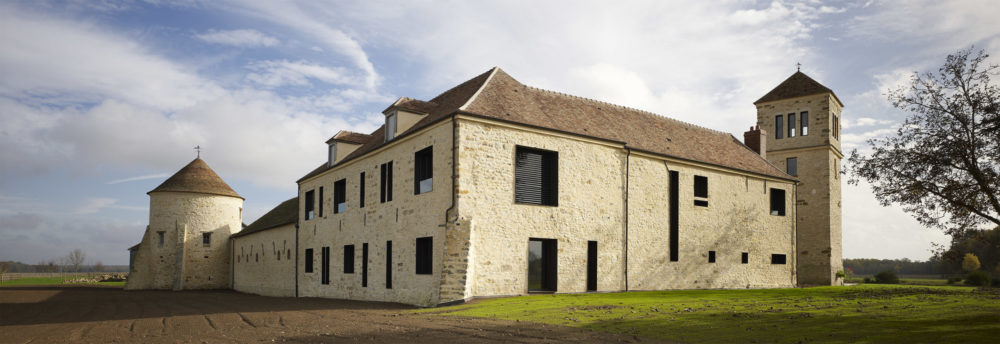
(910, 281)
(51, 280)
(864, 313)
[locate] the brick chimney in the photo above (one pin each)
(756, 139)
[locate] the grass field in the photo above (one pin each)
(864, 313)
(51, 280)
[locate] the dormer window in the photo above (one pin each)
(390, 127)
(333, 153)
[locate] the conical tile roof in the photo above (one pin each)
(196, 177)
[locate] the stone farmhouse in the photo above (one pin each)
(496, 188)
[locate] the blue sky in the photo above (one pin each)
(100, 101)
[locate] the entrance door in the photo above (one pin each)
(591, 266)
(542, 265)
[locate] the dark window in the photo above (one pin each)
(340, 196)
(310, 198)
(745, 258)
(536, 177)
(711, 256)
(791, 125)
(804, 122)
(591, 266)
(779, 126)
(320, 201)
(385, 191)
(324, 263)
(160, 235)
(777, 259)
(364, 265)
(674, 216)
(542, 266)
(792, 166)
(423, 170)
(701, 190)
(348, 259)
(388, 265)
(361, 194)
(777, 202)
(206, 239)
(425, 249)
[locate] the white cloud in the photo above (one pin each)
(136, 178)
(239, 38)
(94, 205)
(273, 74)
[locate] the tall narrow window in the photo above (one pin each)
(390, 127)
(425, 251)
(836, 127)
(388, 265)
(701, 191)
(159, 243)
(361, 193)
(339, 196)
(320, 200)
(792, 166)
(536, 176)
(745, 258)
(310, 198)
(423, 170)
(364, 265)
(777, 202)
(791, 125)
(804, 123)
(779, 125)
(333, 153)
(309, 260)
(206, 239)
(385, 191)
(711, 256)
(778, 259)
(348, 259)
(325, 265)
(674, 216)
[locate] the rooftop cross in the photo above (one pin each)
(798, 67)
(198, 148)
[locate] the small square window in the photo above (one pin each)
(745, 258)
(777, 259)
(206, 239)
(711, 256)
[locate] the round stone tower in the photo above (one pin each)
(186, 245)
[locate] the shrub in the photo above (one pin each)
(970, 262)
(953, 280)
(887, 277)
(977, 278)
(841, 274)
(868, 280)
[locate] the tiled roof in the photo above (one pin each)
(415, 105)
(196, 177)
(797, 85)
(285, 213)
(350, 137)
(495, 94)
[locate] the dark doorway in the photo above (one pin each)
(591, 266)
(364, 265)
(542, 265)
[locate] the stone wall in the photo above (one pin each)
(183, 261)
(402, 220)
(264, 262)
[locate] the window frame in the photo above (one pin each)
(791, 125)
(423, 170)
(385, 187)
(548, 178)
(804, 123)
(773, 193)
(309, 260)
(390, 126)
(779, 127)
(309, 209)
(792, 166)
(340, 196)
(348, 259)
(206, 239)
(776, 261)
(424, 262)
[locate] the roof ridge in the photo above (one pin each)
(646, 112)
(493, 71)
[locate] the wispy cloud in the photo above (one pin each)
(239, 38)
(280, 73)
(94, 205)
(132, 179)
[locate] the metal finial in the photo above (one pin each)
(198, 148)
(798, 67)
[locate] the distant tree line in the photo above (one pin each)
(984, 245)
(74, 261)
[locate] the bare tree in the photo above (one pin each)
(943, 164)
(98, 267)
(75, 258)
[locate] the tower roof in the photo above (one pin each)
(196, 177)
(797, 85)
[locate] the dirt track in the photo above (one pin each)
(48, 314)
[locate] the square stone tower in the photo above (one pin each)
(802, 119)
